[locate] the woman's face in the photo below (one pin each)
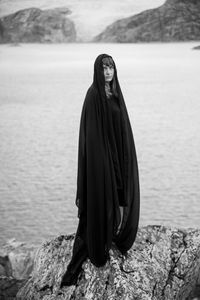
(108, 71)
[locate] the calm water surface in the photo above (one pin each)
(42, 89)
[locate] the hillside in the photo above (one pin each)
(175, 20)
(89, 16)
(35, 25)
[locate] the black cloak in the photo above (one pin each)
(97, 195)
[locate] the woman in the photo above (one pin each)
(108, 195)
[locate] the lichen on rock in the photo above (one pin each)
(163, 263)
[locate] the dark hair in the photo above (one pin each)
(108, 61)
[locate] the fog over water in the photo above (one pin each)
(42, 89)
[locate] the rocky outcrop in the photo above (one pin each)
(164, 263)
(9, 286)
(16, 265)
(175, 20)
(197, 48)
(34, 25)
(16, 259)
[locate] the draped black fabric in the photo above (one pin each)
(107, 177)
(115, 138)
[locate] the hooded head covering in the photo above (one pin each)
(97, 197)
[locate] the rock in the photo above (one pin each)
(16, 259)
(34, 25)
(175, 20)
(197, 48)
(9, 287)
(16, 265)
(164, 263)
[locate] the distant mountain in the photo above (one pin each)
(89, 16)
(197, 48)
(36, 25)
(175, 20)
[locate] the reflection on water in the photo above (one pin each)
(42, 88)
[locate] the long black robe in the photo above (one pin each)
(98, 195)
(115, 139)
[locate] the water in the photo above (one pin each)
(42, 88)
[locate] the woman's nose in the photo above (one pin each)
(108, 71)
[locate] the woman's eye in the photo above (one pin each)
(108, 67)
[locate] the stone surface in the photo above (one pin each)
(175, 20)
(16, 259)
(33, 25)
(9, 287)
(197, 48)
(16, 265)
(164, 263)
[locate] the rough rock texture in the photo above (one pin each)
(163, 263)
(16, 265)
(34, 25)
(9, 287)
(16, 259)
(175, 20)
